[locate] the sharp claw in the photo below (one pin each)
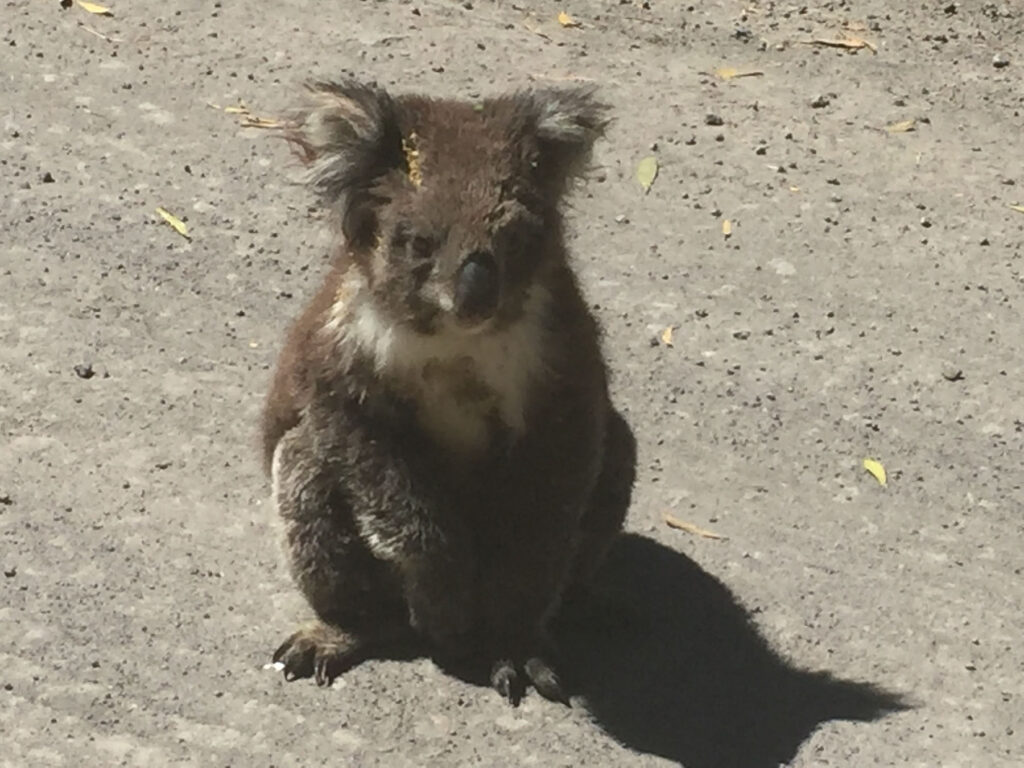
(545, 681)
(506, 682)
(282, 649)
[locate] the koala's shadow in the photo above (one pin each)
(672, 666)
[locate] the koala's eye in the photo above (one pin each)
(421, 248)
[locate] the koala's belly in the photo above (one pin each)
(457, 408)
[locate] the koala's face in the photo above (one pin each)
(463, 229)
(449, 208)
(442, 261)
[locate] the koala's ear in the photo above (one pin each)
(348, 134)
(567, 122)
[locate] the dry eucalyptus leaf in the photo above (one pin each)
(730, 73)
(680, 525)
(566, 20)
(1018, 208)
(252, 121)
(726, 227)
(903, 126)
(666, 337)
(99, 10)
(850, 43)
(876, 469)
(179, 226)
(647, 172)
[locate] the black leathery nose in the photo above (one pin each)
(477, 286)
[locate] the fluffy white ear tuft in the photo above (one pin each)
(348, 134)
(573, 116)
(567, 122)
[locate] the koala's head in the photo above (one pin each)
(449, 208)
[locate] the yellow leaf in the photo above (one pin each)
(647, 172)
(239, 110)
(179, 225)
(674, 522)
(251, 121)
(794, 189)
(1018, 208)
(566, 20)
(729, 73)
(99, 10)
(876, 469)
(902, 126)
(726, 227)
(666, 336)
(851, 43)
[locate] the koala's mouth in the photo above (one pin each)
(477, 290)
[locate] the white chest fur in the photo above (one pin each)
(461, 381)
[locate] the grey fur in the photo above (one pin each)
(442, 477)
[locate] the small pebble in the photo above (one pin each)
(11, 572)
(84, 371)
(713, 119)
(951, 373)
(1000, 60)
(820, 101)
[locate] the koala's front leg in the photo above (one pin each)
(409, 516)
(356, 598)
(529, 543)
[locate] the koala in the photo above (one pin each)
(439, 434)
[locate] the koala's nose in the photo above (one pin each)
(477, 287)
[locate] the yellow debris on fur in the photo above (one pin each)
(412, 159)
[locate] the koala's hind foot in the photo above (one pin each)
(510, 680)
(324, 652)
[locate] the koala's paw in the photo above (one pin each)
(318, 651)
(510, 679)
